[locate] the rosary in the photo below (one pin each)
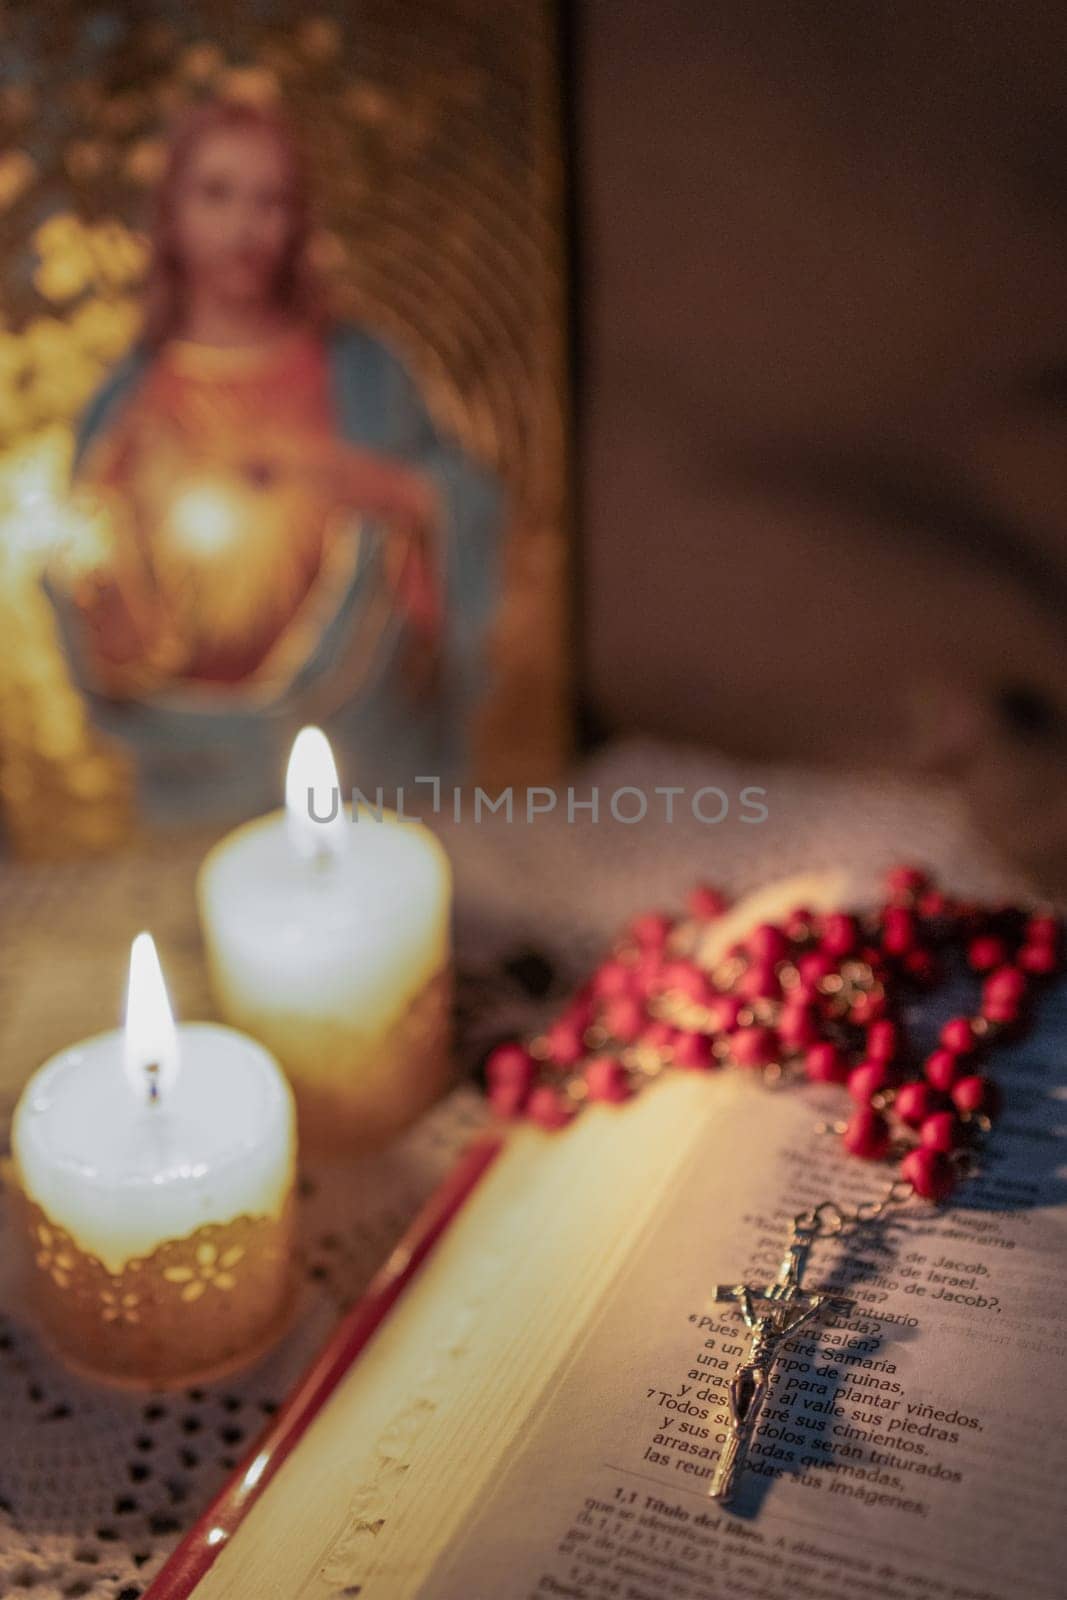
(816, 997)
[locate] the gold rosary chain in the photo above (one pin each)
(828, 1219)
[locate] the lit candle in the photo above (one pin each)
(155, 1165)
(328, 937)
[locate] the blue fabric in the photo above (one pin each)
(217, 763)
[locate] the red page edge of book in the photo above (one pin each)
(210, 1534)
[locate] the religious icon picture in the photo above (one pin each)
(313, 496)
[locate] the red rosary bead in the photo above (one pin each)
(922, 967)
(930, 1171)
(614, 978)
(904, 882)
(548, 1109)
(914, 1102)
(942, 1130)
(766, 943)
(958, 1035)
(798, 1025)
(694, 1050)
(565, 1042)
(1043, 929)
(798, 924)
(582, 1009)
(607, 1079)
(1040, 960)
(1005, 1016)
(866, 1134)
(883, 1041)
(510, 1063)
(942, 1069)
(986, 953)
(824, 1063)
(646, 970)
(933, 905)
(658, 1035)
(510, 1071)
(976, 1095)
(652, 930)
(624, 1019)
(1006, 986)
(705, 903)
(759, 982)
(868, 1007)
(507, 1100)
(868, 1078)
(815, 965)
(899, 931)
(683, 979)
(754, 1047)
(839, 935)
(723, 1012)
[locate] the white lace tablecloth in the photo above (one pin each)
(97, 1487)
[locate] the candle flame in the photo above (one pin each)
(150, 1043)
(314, 814)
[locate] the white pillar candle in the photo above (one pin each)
(156, 1164)
(328, 935)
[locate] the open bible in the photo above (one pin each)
(532, 1400)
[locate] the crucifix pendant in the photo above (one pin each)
(773, 1315)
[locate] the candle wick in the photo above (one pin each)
(323, 859)
(152, 1071)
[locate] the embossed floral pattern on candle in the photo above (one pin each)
(212, 1267)
(228, 1286)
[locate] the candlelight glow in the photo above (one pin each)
(150, 1042)
(315, 817)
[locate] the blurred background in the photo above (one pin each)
(824, 478)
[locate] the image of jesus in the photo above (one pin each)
(291, 537)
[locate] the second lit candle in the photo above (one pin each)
(330, 941)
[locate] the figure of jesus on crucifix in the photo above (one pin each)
(773, 1316)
